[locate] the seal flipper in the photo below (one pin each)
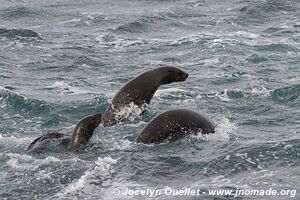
(41, 142)
(33, 143)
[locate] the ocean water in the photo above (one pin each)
(61, 60)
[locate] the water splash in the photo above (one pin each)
(130, 112)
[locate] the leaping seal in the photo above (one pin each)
(81, 135)
(175, 124)
(139, 91)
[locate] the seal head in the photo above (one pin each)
(172, 74)
(84, 131)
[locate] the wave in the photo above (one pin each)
(86, 19)
(17, 12)
(286, 94)
(86, 62)
(64, 88)
(234, 159)
(102, 170)
(113, 41)
(18, 34)
(257, 59)
(269, 6)
(219, 163)
(256, 88)
(261, 11)
(25, 110)
(13, 100)
(258, 156)
(137, 26)
(279, 47)
(229, 94)
(174, 17)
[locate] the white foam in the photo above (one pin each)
(138, 123)
(227, 157)
(70, 21)
(116, 144)
(117, 41)
(66, 88)
(245, 157)
(76, 91)
(49, 159)
(266, 178)
(15, 43)
(2, 88)
(104, 164)
(130, 111)
(14, 140)
(13, 92)
(220, 181)
(212, 182)
(223, 96)
(258, 88)
(77, 185)
(211, 61)
(191, 38)
(168, 91)
(27, 162)
(223, 131)
(245, 34)
(59, 84)
(103, 167)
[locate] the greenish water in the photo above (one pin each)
(63, 60)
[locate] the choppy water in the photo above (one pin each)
(62, 60)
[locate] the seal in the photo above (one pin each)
(175, 124)
(81, 135)
(140, 91)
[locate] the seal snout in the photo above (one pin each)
(182, 76)
(186, 75)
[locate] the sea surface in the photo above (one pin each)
(61, 60)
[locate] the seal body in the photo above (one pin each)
(58, 142)
(175, 124)
(140, 91)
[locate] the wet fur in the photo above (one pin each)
(175, 124)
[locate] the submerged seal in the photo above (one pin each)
(175, 124)
(140, 91)
(82, 133)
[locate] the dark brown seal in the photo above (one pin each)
(81, 135)
(140, 91)
(175, 124)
